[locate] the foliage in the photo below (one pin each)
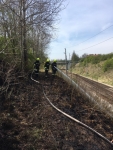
(28, 25)
(95, 59)
(5, 44)
(2, 43)
(84, 55)
(108, 65)
(75, 57)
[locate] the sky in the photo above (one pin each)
(86, 27)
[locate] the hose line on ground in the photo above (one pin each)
(70, 117)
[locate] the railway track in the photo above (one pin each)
(102, 91)
(67, 99)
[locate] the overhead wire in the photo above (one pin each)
(96, 44)
(93, 36)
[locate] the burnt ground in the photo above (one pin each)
(28, 121)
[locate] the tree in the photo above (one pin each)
(75, 57)
(29, 18)
(84, 55)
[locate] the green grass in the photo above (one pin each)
(95, 72)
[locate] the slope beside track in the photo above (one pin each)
(102, 90)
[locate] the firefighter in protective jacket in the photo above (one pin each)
(37, 66)
(46, 66)
(53, 67)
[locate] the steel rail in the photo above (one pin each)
(99, 89)
(72, 118)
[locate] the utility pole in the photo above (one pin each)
(66, 60)
(69, 63)
(69, 56)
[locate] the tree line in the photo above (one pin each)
(94, 59)
(26, 26)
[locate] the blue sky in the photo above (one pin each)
(79, 22)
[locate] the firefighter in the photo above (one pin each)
(46, 66)
(37, 66)
(53, 65)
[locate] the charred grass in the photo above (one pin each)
(28, 122)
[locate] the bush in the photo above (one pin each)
(108, 65)
(95, 59)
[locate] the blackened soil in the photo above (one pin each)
(28, 121)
